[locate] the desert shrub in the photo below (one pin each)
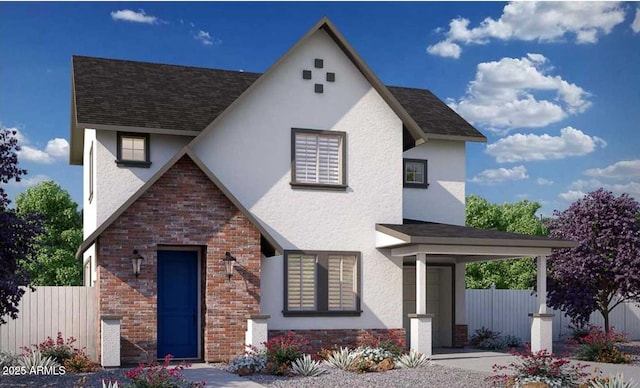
(391, 343)
(35, 359)
(412, 360)
(599, 346)
(8, 359)
(341, 359)
(252, 359)
(155, 375)
(282, 350)
(80, 363)
(539, 367)
(59, 349)
(616, 381)
(374, 355)
(305, 366)
(488, 339)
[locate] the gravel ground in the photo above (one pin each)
(430, 376)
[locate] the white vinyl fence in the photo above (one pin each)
(507, 311)
(49, 310)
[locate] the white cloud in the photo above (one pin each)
(205, 38)
(501, 97)
(572, 195)
(29, 181)
(544, 182)
(56, 149)
(541, 21)
(445, 49)
(499, 175)
(625, 169)
(133, 16)
(519, 147)
(581, 186)
(635, 26)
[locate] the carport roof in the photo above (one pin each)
(419, 232)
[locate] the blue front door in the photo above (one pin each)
(178, 304)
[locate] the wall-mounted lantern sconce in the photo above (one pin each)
(136, 260)
(229, 264)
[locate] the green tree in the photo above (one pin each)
(56, 264)
(519, 217)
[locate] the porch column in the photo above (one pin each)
(461, 329)
(421, 322)
(542, 322)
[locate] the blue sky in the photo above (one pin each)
(554, 86)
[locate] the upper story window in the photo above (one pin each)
(133, 149)
(321, 283)
(318, 159)
(415, 173)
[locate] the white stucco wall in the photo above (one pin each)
(89, 212)
(114, 185)
(250, 152)
(444, 199)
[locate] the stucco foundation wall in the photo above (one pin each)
(444, 199)
(183, 208)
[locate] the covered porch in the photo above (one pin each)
(435, 252)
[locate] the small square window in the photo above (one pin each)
(306, 74)
(133, 150)
(318, 159)
(415, 173)
(331, 77)
(319, 88)
(319, 63)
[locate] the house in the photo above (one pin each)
(221, 206)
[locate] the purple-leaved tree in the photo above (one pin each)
(17, 234)
(604, 270)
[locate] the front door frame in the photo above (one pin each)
(198, 250)
(452, 266)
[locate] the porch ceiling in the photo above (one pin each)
(465, 243)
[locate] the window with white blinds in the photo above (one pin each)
(318, 157)
(342, 282)
(321, 283)
(301, 274)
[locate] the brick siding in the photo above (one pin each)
(183, 208)
(319, 339)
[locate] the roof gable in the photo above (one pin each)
(140, 96)
(185, 152)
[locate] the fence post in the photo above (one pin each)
(110, 340)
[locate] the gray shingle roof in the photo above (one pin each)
(432, 232)
(150, 95)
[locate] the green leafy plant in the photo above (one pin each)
(37, 360)
(616, 381)
(282, 350)
(305, 366)
(412, 360)
(59, 349)
(600, 346)
(154, 375)
(341, 359)
(539, 367)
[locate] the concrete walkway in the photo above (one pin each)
(215, 377)
(483, 361)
